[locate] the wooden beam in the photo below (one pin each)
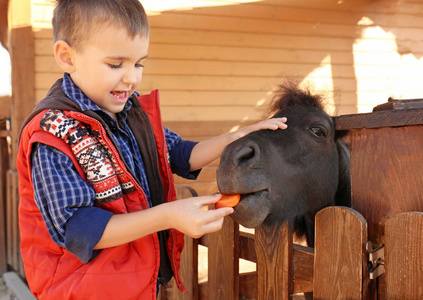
(4, 166)
(22, 59)
(5, 107)
(4, 8)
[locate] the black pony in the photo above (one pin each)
(288, 174)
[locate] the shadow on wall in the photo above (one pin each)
(358, 50)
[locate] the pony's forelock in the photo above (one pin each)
(289, 94)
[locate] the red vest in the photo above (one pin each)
(128, 271)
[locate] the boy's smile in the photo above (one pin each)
(109, 68)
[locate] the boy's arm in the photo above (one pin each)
(184, 215)
(207, 151)
(65, 201)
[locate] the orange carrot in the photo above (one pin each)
(228, 200)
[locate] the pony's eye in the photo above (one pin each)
(318, 131)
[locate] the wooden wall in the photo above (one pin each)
(217, 60)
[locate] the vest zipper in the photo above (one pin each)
(171, 230)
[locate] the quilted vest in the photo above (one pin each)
(128, 271)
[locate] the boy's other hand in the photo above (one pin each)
(272, 124)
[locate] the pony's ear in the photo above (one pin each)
(343, 193)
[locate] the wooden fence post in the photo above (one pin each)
(223, 262)
(404, 256)
(4, 166)
(189, 261)
(12, 223)
(340, 258)
(274, 262)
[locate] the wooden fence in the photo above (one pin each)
(339, 267)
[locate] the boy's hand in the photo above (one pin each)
(272, 124)
(187, 216)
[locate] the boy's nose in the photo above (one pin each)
(130, 77)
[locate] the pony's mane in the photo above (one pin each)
(289, 94)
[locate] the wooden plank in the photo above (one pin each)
(249, 25)
(44, 46)
(22, 61)
(340, 256)
(386, 174)
(303, 260)
(274, 262)
(211, 113)
(223, 262)
(268, 69)
(246, 246)
(5, 107)
(324, 11)
(410, 7)
(189, 258)
(4, 166)
(248, 285)
(234, 83)
(204, 128)
(4, 8)
(380, 119)
(403, 256)
(237, 53)
(12, 223)
(216, 38)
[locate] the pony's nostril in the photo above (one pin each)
(245, 155)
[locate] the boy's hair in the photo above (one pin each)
(75, 20)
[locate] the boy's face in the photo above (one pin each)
(110, 66)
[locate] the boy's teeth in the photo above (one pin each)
(119, 94)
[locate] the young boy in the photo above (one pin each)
(97, 213)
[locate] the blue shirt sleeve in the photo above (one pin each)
(180, 152)
(60, 193)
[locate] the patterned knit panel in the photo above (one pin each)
(102, 170)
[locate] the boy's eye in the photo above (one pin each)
(114, 66)
(139, 65)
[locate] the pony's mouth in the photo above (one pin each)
(252, 209)
(249, 196)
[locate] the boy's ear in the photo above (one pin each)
(63, 53)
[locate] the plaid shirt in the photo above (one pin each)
(58, 189)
